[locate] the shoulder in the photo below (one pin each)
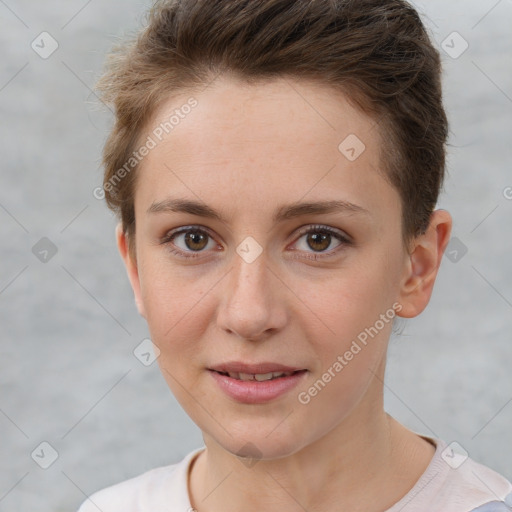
(131, 494)
(468, 486)
(149, 491)
(454, 482)
(482, 488)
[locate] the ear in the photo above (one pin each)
(422, 264)
(131, 268)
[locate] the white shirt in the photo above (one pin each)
(450, 483)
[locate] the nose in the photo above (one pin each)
(253, 303)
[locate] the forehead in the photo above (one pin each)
(257, 144)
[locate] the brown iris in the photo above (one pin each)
(196, 241)
(319, 238)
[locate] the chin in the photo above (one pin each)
(257, 445)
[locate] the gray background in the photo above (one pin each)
(69, 326)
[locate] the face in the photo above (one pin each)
(266, 280)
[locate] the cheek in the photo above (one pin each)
(353, 319)
(168, 293)
(177, 313)
(353, 297)
(356, 328)
(350, 344)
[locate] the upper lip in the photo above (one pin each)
(264, 367)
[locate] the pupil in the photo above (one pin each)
(319, 238)
(192, 238)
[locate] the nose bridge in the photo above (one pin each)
(250, 305)
(249, 277)
(250, 266)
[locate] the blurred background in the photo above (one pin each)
(80, 408)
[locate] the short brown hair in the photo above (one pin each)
(375, 51)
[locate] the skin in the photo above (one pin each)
(246, 150)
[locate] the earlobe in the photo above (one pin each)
(423, 264)
(131, 268)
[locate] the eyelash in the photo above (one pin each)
(167, 240)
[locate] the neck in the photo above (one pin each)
(368, 462)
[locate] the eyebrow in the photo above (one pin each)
(283, 213)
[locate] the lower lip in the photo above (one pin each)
(254, 392)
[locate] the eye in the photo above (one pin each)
(193, 240)
(319, 238)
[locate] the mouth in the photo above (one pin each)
(257, 388)
(260, 377)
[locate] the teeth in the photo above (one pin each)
(264, 376)
(258, 376)
(245, 376)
